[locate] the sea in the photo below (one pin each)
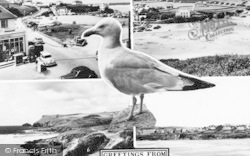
(13, 136)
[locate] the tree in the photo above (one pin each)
(26, 125)
(37, 124)
(219, 128)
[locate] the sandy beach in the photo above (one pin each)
(238, 147)
(172, 41)
(12, 141)
(22, 138)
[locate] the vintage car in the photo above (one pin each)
(47, 59)
(79, 73)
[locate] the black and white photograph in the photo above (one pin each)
(42, 39)
(207, 39)
(76, 118)
(207, 122)
(124, 77)
(199, 37)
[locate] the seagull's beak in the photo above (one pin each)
(90, 32)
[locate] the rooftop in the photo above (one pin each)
(5, 14)
(3, 1)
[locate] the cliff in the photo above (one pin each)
(86, 134)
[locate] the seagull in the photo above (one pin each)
(136, 73)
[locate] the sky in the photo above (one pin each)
(227, 103)
(28, 101)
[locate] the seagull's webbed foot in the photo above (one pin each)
(141, 104)
(132, 109)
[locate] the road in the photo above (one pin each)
(66, 58)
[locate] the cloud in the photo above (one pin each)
(27, 102)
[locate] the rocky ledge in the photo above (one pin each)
(86, 134)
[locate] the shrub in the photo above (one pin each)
(26, 125)
(37, 124)
(224, 65)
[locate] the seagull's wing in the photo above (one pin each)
(143, 73)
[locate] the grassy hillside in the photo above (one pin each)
(219, 65)
(20, 10)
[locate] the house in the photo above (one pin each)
(104, 6)
(59, 2)
(169, 6)
(183, 13)
(241, 128)
(4, 3)
(7, 20)
(28, 3)
(200, 4)
(227, 128)
(77, 2)
(148, 131)
(62, 10)
(12, 42)
(247, 5)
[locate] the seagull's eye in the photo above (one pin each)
(102, 26)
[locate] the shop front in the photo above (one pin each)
(11, 45)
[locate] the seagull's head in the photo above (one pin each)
(106, 27)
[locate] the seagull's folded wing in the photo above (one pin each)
(146, 74)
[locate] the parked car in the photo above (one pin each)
(157, 27)
(31, 43)
(38, 40)
(80, 42)
(79, 73)
(47, 59)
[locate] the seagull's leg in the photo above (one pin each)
(141, 104)
(132, 109)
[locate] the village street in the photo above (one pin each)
(65, 57)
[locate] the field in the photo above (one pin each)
(62, 32)
(219, 65)
(81, 24)
(231, 147)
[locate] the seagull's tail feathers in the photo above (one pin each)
(194, 84)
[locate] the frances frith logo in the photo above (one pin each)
(210, 29)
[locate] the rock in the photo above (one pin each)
(144, 120)
(89, 144)
(128, 142)
(63, 123)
